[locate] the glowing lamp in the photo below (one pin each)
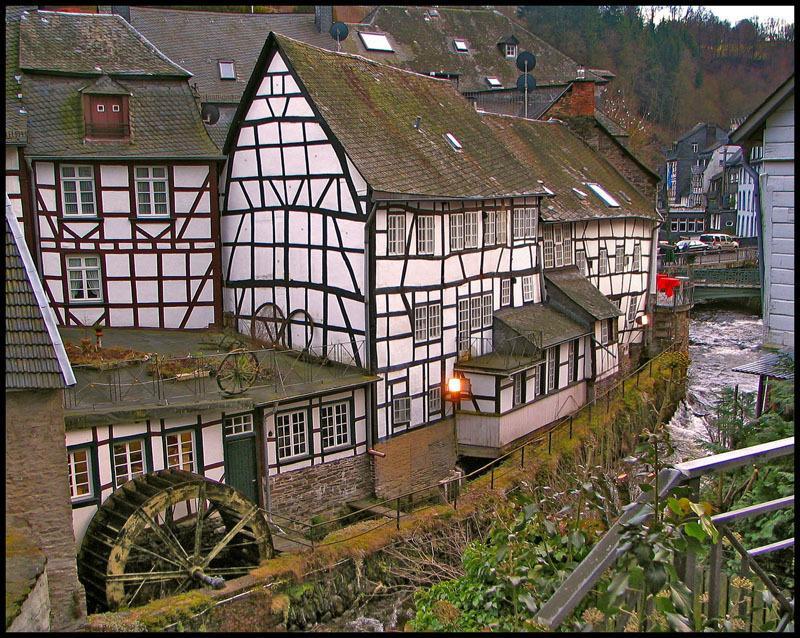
(458, 388)
(454, 386)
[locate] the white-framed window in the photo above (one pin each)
(434, 399)
(572, 361)
(489, 228)
(619, 259)
(549, 255)
(180, 450)
(80, 474)
(239, 424)
(603, 268)
(335, 424)
(471, 229)
(494, 82)
(425, 235)
(291, 434)
(527, 288)
(505, 292)
(475, 314)
(519, 388)
(523, 223)
(151, 190)
(673, 225)
(682, 225)
(115, 108)
(427, 322)
(457, 231)
(460, 45)
(604, 331)
(552, 368)
(502, 227)
(557, 245)
(401, 410)
(128, 461)
(487, 310)
(700, 225)
(511, 50)
(694, 147)
(633, 307)
(227, 70)
(396, 237)
(83, 272)
(463, 325)
(376, 42)
(690, 226)
(77, 190)
(101, 108)
(637, 257)
(580, 260)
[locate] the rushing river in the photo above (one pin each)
(720, 338)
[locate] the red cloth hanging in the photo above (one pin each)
(666, 284)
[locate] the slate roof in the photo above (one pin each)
(554, 326)
(30, 356)
(499, 362)
(80, 43)
(104, 85)
(427, 45)
(16, 122)
(576, 287)
(371, 109)
(776, 365)
(197, 40)
(563, 161)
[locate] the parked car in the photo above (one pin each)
(719, 240)
(691, 246)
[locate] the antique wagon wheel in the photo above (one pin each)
(268, 324)
(165, 532)
(237, 372)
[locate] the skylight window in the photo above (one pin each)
(460, 45)
(579, 193)
(227, 70)
(433, 13)
(603, 194)
(376, 42)
(453, 141)
(494, 83)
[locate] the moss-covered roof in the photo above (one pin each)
(426, 45)
(543, 322)
(576, 287)
(565, 162)
(371, 108)
(16, 121)
(104, 85)
(89, 44)
(499, 363)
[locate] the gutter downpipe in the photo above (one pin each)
(368, 248)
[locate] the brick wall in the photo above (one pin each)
(37, 491)
(415, 459)
(301, 494)
(578, 100)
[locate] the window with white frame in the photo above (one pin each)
(128, 461)
(603, 267)
(471, 229)
(227, 70)
(682, 225)
(239, 424)
(335, 424)
(502, 227)
(83, 273)
(80, 474)
(151, 191)
(457, 231)
(557, 245)
(291, 434)
(673, 225)
(572, 361)
(511, 50)
(580, 260)
(505, 292)
(694, 147)
(434, 399)
(539, 380)
(607, 329)
(633, 307)
(552, 368)
(523, 223)
(489, 228)
(425, 234)
(619, 259)
(487, 310)
(519, 388)
(690, 226)
(77, 190)
(376, 42)
(463, 325)
(401, 410)
(427, 322)
(637, 257)
(475, 313)
(396, 237)
(527, 288)
(180, 451)
(460, 46)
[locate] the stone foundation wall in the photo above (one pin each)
(37, 492)
(34, 614)
(415, 459)
(319, 489)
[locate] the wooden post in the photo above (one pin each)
(549, 441)
(522, 460)
(715, 571)
(398, 512)
(570, 428)
(491, 484)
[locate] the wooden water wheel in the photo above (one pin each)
(165, 532)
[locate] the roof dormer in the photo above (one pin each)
(509, 46)
(106, 111)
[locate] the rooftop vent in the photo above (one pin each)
(579, 193)
(376, 42)
(603, 194)
(453, 141)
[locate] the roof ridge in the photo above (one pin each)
(155, 49)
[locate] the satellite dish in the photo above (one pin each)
(526, 57)
(210, 113)
(526, 81)
(339, 31)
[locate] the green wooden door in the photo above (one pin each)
(241, 470)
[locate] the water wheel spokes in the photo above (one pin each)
(237, 372)
(165, 532)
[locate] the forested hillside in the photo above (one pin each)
(688, 68)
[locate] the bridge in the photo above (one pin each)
(727, 283)
(721, 258)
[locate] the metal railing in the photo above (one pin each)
(734, 277)
(605, 553)
(723, 256)
(682, 295)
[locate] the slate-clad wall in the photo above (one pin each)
(37, 491)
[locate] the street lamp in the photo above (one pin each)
(458, 388)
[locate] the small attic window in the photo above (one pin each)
(376, 42)
(460, 45)
(453, 141)
(494, 83)
(511, 50)
(579, 193)
(227, 70)
(603, 194)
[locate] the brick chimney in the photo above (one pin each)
(323, 18)
(578, 101)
